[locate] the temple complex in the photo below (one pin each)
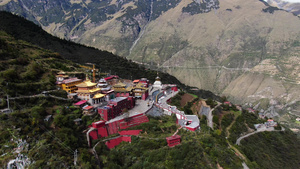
(60, 77)
(69, 85)
(87, 90)
(140, 91)
(122, 90)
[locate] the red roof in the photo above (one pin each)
(136, 81)
(88, 107)
(108, 78)
(130, 132)
(80, 102)
(173, 137)
(75, 79)
(111, 77)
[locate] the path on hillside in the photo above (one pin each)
(166, 107)
(229, 127)
(238, 141)
(237, 152)
(177, 131)
(209, 67)
(39, 95)
(210, 116)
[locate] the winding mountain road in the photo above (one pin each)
(238, 141)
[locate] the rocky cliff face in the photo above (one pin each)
(245, 50)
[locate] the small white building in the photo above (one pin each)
(157, 84)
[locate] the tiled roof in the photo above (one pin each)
(88, 107)
(80, 102)
(88, 91)
(98, 95)
(118, 99)
(173, 137)
(71, 80)
(120, 85)
(86, 83)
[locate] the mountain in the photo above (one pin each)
(292, 6)
(27, 69)
(245, 50)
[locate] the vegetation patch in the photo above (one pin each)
(272, 149)
(197, 7)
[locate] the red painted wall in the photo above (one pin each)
(94, 135)
(191, 129)
(102, 132)
(130, 132)
(98, 124)
(173, 140)
(114, 142)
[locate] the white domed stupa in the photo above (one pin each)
(157, 83)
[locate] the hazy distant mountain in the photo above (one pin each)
(244, 49)
(292, 6)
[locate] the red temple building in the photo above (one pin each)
(145, 81)
(115, 107)
(103, 129)
(173, 140)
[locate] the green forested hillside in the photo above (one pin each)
(273, 149)
(25, 30)
(26, 71)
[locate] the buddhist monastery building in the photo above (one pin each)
(70, 85)
(80, 104)
(102, 83)
(88, 110)
(173, 140)
(60, 77)
(140, 91)
(190, 122)
(115, 107)
(122, 90)
(145, 81)
(87, 90)
(135, 82)
(157, 84)
(106, 128)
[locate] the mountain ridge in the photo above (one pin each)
(211, 49)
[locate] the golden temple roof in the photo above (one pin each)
(98, 95)
(140, 86)
(89, 91)
(86, 83)
(120, 85)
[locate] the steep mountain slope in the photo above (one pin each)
(292, 6)
(221, 46)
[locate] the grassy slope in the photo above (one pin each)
(28, 31)
(27, 69)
